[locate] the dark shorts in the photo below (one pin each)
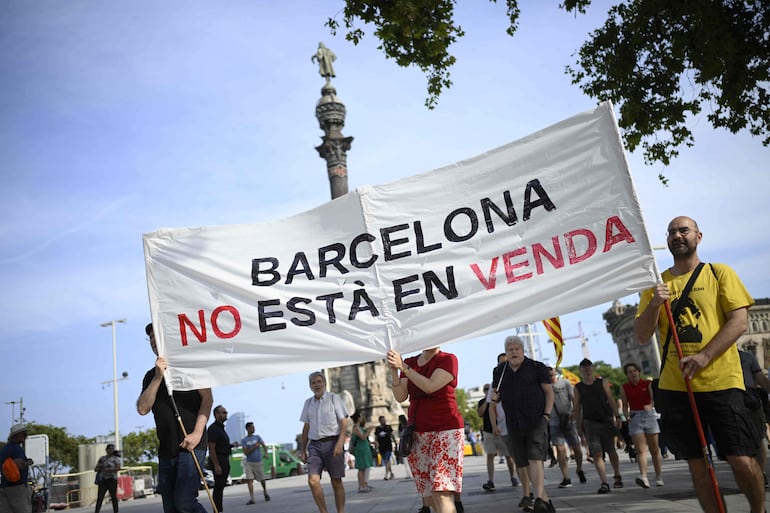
(724, 412)
(600, 437)
(320, 457)
(529, 445)
(758, 420)
(386, 454)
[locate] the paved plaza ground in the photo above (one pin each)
(291, 494)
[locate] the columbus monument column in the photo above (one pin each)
(365, 387)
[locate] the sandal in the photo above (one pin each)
(604, 488)
(618, 482)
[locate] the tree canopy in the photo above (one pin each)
(140, 447)
(659, 61)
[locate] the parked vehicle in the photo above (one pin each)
(209, 474)
(277, 463)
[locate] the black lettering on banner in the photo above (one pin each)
(300, 265)
(329, 298)
(449, 290)
(488, 206)
(271, 271)
(542, 201)
(264, 315)
(400, 293)
(291, 306)
(338, 253)
(449, 231)
(364, 237)
(388, 243)
(360, 295)
(420, 240)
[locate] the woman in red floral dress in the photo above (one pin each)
(436, 459)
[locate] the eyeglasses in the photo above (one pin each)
(684, 232)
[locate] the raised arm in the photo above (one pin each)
(148, 395)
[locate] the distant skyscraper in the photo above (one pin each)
(236, 426)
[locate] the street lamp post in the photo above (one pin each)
(114, 377)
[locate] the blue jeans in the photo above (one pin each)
(178, 482)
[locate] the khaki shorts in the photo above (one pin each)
(496, 444)
(253, 470)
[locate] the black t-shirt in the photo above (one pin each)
(169, 433)
(487, 427)
(384, 436)
(593, 400)
(521, 392)
(219, 437)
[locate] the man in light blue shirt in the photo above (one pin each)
(325, 421)
(253, 468)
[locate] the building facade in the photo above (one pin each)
(619, 320)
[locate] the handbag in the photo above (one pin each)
(407, 438)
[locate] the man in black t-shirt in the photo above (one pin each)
(178, 478)
(219, 452)
(383, 435)
(596, 419)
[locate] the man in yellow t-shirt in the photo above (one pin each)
(714, 315)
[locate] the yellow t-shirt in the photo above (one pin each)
(712, 295)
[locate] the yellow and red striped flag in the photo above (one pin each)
(571, 376)
(553, 328)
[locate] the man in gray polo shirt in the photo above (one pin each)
(325, 421)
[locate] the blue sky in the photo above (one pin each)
(119, 118)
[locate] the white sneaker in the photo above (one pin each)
(643, 481)
(658, 481)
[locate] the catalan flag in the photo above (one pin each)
(571, 376)
(553, 328)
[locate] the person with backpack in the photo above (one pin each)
(15, 494)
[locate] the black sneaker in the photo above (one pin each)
(565, 483)
(489, 486)
(527, 503)
(604, 488)
(514, 481)
(618, 482)
(541, 506)
(582, 477)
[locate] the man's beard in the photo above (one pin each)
(684, 249)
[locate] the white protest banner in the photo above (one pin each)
(540, 227)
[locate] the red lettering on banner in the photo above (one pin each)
(184, 321)
(581, 244)
(569, 238)
(488, 284)
(199, 330)
(556, 260)
(622, 235)
(509, 267)
(236, 321)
